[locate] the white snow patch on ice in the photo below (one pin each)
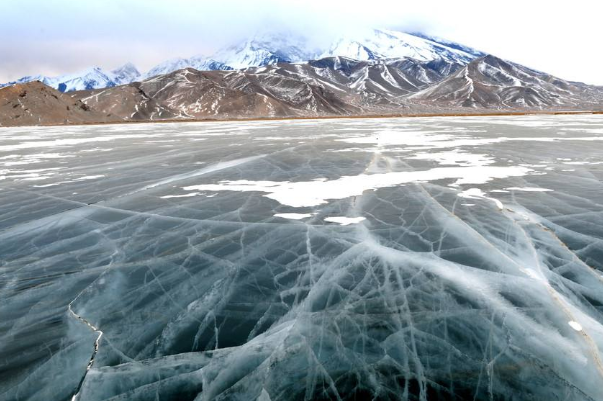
(442, 139)
(313, 193)
(345, 221)
(293, 216)
(180, 196)
(529, 189)
(89, 177)
(455, 158)
(476, 193)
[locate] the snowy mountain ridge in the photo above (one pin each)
(91, 78)
(197, 62)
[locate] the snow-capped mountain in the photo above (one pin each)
(125, 74)
(262, 49)
(272, 48)
(197, 62)
(449, 44)
(382, 44)
(92, 78)
(269, 48)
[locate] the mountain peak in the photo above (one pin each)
(126, 67)
(125, 74)
(492, 60)
(265, 48)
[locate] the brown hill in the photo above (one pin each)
(34, 103)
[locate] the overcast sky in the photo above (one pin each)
(53, 37)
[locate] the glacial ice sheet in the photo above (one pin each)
(119, 283)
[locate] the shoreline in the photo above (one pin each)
(331, 117)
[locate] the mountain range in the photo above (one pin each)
(378, 73)
(270, 48)
(92, 78)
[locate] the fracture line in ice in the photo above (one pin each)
(96, 347)
(206, 170)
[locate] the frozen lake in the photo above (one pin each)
(352, 259)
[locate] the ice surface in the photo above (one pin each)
(194, 270)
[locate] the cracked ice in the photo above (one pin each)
(385, 259)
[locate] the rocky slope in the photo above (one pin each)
(192, 94)
(492, 83)
(34, 103)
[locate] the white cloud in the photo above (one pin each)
(58, 36)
